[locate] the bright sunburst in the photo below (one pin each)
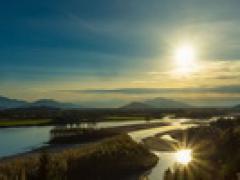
(185, 59)
(184, 156)
(185, 54)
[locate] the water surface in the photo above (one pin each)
(166, 160)
(18, 140)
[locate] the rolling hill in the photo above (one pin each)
(11, 103)
(166, 103)
(136, 105)
(52, 103)
(237, 106)
(7, 103)
(157, 103)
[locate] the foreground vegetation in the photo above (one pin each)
(112, 158)
(65, 135)
(216, 152)
(79, 135)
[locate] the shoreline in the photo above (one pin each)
(62, 147)
(50, 123)
(94, 157)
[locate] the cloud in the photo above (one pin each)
(234, 89)
(228, 77)
(227, 89)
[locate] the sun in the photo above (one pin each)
(185, 59)
(185, 54)
(184, 156)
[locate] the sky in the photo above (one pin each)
(109, 52)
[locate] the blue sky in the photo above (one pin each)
(67, 49)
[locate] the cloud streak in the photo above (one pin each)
(233, 89)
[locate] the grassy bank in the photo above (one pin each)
(111, 158)
(79, 135)
(83, 135)
(28, 122)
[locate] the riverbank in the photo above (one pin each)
(39, 137)
(93, 161)
(216, 146)
(18, 123)
(64, 142)
(135, 131)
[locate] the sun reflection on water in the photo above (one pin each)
(184, 156)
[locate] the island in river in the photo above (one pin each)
(132, 157)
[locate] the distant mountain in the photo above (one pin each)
(157, 103)
(7, 103)
(166, 103)
(52, 104)
(136, 105)
(237, 106)
(11, 103)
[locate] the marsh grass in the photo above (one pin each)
(112, 158)
(79, 135)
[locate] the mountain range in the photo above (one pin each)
(237, 106)
(11, 103)
(136, 105)
(7, 103)
(157, 103)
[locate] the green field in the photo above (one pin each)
(28, 122)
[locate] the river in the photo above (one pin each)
(22, 139)
(19, 140)
(166, 159)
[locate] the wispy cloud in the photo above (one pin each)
(235, 89)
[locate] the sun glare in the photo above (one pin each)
(185, 54)
(184, 156)
(185, 59)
